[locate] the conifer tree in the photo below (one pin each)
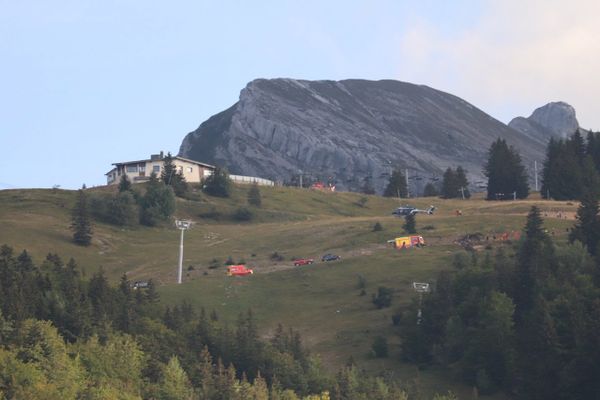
(397, 185)
(587, 229)
(410, 224)
(218, 184)
(593, 148)
(172, 176)
(449, 184)
(505, 172)
(124, 183)
(80, 221)
(175, 384)
(532, 264)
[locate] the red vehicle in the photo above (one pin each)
(303, 261)
(238, 270)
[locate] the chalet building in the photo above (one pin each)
(193, 171)
(140, 171)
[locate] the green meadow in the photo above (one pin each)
(323, 301)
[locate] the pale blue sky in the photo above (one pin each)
(88, 83)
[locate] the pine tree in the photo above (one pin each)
(533, 263)
(410, 224)
(124, 183)
(80, 221)
(587, 229)
(397, 185)
(218, 184)
(172, 176)
(593, 148)
(254, 197)
(505, 172)
(175, 384)
(449, 184)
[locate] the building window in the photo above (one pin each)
(156, 168)
(190, 169)
(132, 168)
(142, 168)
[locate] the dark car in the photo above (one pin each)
(330, 257)
(303, 261)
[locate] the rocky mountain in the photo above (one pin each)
(351, 131)
(556, 119)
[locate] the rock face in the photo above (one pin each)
(552, 120)
(351, 131)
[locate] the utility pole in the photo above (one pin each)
(182, 225)
(407, 188)
(420, 288)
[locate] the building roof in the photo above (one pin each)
(175, 157)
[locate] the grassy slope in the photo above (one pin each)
(321, 300)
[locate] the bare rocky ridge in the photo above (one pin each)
(351, 130)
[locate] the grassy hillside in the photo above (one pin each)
(322, 300)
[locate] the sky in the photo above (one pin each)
(84, 84)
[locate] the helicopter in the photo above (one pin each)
(408, 210)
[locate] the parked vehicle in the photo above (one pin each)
(238, 270)
(404, 242)
(330, 257)
(303, 261)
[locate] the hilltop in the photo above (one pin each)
(322, 300)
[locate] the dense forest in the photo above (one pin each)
(526, 323)
(65, 337)
(572, 167)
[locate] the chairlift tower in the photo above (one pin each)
(182, 225)
(420, 287)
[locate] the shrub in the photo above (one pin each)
(211, 213)
(380, 347)
(377, 227)
(275, 256)
(120, 209)
(383, 298)
(242, 214)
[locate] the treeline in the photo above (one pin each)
(526, 324)
(572, 167)
(65, 337)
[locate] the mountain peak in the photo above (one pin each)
(558, 117)
(353, 132)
